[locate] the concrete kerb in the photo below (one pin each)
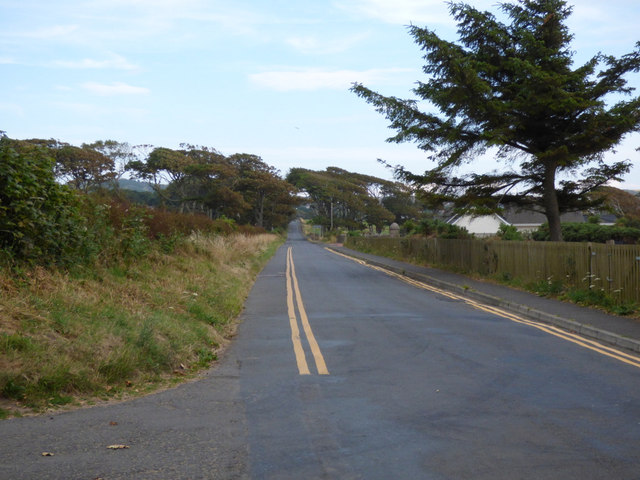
(531, 313)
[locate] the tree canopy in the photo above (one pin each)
(346, 199)
(201, 179)
(82, 168)
(191, 179)
(512, 89)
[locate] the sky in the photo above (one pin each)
(270, 78)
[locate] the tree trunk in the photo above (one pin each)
(331, 215)
(260, 212)
(551, 206)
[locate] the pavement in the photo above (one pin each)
(622, 332)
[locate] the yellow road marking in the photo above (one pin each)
(550, 329)
(301, 361)
(292, 281)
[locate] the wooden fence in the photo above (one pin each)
(615, 269)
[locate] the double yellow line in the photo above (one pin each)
(293, 290)
(555, 331)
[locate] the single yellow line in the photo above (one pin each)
(313, 344)
(571, 337)
(303, 367)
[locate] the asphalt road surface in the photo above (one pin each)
(340, 371)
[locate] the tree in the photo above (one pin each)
(201, 179)
(621, 203)
(513, 87)
(400, 201)
(271, 198)
(195, 179)
(82, 168)
(342, 198)
(120, 153)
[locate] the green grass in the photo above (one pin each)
(69, 338)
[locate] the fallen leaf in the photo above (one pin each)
(117, 447)
(113, 423)
(47, 454)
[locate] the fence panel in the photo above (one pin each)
(614, 269)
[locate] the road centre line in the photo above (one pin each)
(293, 290)
(301, 361)
(550, 329)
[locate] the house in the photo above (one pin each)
(481, 225)
(525, 221)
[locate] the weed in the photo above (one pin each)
(596, 297)
(15, 342)
(547, 287)
(12, 386)
(505, 277)
(200, 313)
(205, 357)
(624, 309)
(117, 369)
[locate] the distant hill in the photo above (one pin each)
(134, 185)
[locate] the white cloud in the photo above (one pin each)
(313, 45)
(606, 26)
(116, 62)
(115, 88)
(12, 109)
(92, 110)
(49, 33)
(316, 79)
(401, 12)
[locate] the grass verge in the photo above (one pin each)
(109, 332)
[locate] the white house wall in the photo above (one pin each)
(486, 225)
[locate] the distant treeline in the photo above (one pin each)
(61, 204)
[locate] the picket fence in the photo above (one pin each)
(615, 269)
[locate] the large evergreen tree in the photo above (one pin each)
(514, 87)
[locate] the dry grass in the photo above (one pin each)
(100, 333)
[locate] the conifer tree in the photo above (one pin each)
(513, 89)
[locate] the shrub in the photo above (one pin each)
(40, 220)
(409, 227)
(45, 223)
(590, 232)
(509, 232)
(433, 227)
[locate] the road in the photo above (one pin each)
(340, 371)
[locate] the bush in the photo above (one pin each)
(40, 220)
(509, 232)
(409, 227)
(438, 228)
(590, 232)
(45, 223)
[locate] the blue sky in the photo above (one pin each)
(265, 77)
